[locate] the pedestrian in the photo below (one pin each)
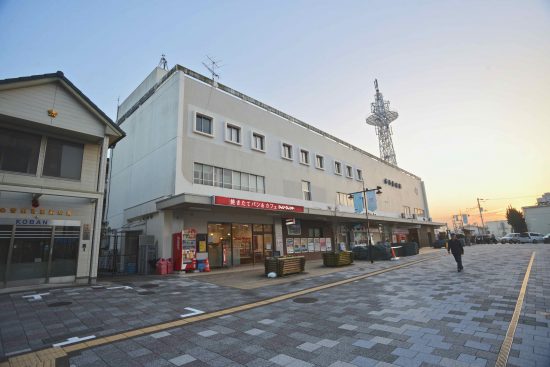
(455, 247)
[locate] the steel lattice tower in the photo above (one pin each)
(381, 118)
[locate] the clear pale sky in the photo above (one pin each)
(470, 79)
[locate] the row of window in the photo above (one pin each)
(20, 152)
(227, 178)
(233, 134)
(417, 211)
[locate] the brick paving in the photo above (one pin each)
(423, 315)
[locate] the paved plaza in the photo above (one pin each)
(423, 314)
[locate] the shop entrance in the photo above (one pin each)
(232, 244)
(34, 254)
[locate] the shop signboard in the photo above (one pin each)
(290, 245)
(255, 204)
(329, 244)
(310, 245)
(317, 244)
(323, 244)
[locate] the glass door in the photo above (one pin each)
(5, 240)
(30, 253)
(242, 242)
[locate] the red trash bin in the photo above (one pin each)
(169, 266)
(162, 267)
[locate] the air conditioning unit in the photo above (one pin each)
(414, 216)
(403, 215)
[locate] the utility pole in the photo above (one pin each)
(481, 216)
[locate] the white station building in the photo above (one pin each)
(53, 152)
(247, 180)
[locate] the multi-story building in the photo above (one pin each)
(537, 217)
(498, 227)
(53, 148)
(200, 157)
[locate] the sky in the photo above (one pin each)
(470, 79)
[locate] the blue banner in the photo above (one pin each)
(465, 218)
(371, 201)
(358, 202)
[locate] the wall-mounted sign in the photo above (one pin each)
(86, 231)
(254, 204)
(41, 211)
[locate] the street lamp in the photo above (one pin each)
(364, 192)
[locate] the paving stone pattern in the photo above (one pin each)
(423, 315)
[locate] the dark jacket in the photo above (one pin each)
(455, 246)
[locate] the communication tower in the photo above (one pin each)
(381, 118)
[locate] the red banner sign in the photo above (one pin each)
(253, 204)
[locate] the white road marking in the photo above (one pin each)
(36, 297)
(74, 339)
(121, 287)
(193, 312)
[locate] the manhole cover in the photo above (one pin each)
(59, 304)
(305, 300)
(150, 285)
(145, 293)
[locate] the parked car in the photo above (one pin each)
(510, 238)
(546, 238)
(530, 237)
(486, 238)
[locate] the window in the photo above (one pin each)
(343, 199)
(337, 168)
(306, 189)
(286, 151)
(19, 151)
(304, 156)
(407, 210)
(419, 212)
(63, 159)
(349, 171)
(258, 142)
(203, 124)
(226, 178)
(319, 161)
(359, 174)
(218, 177)
(232, 134)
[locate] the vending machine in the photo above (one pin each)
(184, 249)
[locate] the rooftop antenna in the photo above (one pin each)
(163, 63)
(381, 118)
(212, 69)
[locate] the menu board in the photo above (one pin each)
(310, 245)
(290, 245)
(304, 245)
(317, 244)
(323, 244)
(329, 244)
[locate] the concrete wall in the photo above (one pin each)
(498, 227)
(147, 84)
(537, 219)
(282, 177)
(143, 163)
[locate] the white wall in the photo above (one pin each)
(143, 163)
(499, 227)
(283, 178)
(537, 219)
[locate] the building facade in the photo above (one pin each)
(537, 217)
(246, 180)
(53, 148)
(498, 227)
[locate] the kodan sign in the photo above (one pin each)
(253, 204)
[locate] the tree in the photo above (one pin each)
(516, 220)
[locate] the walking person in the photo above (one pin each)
(455, 247)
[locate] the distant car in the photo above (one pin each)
(531, 237)
(510, 238)
(486, 238)
(546, 239)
